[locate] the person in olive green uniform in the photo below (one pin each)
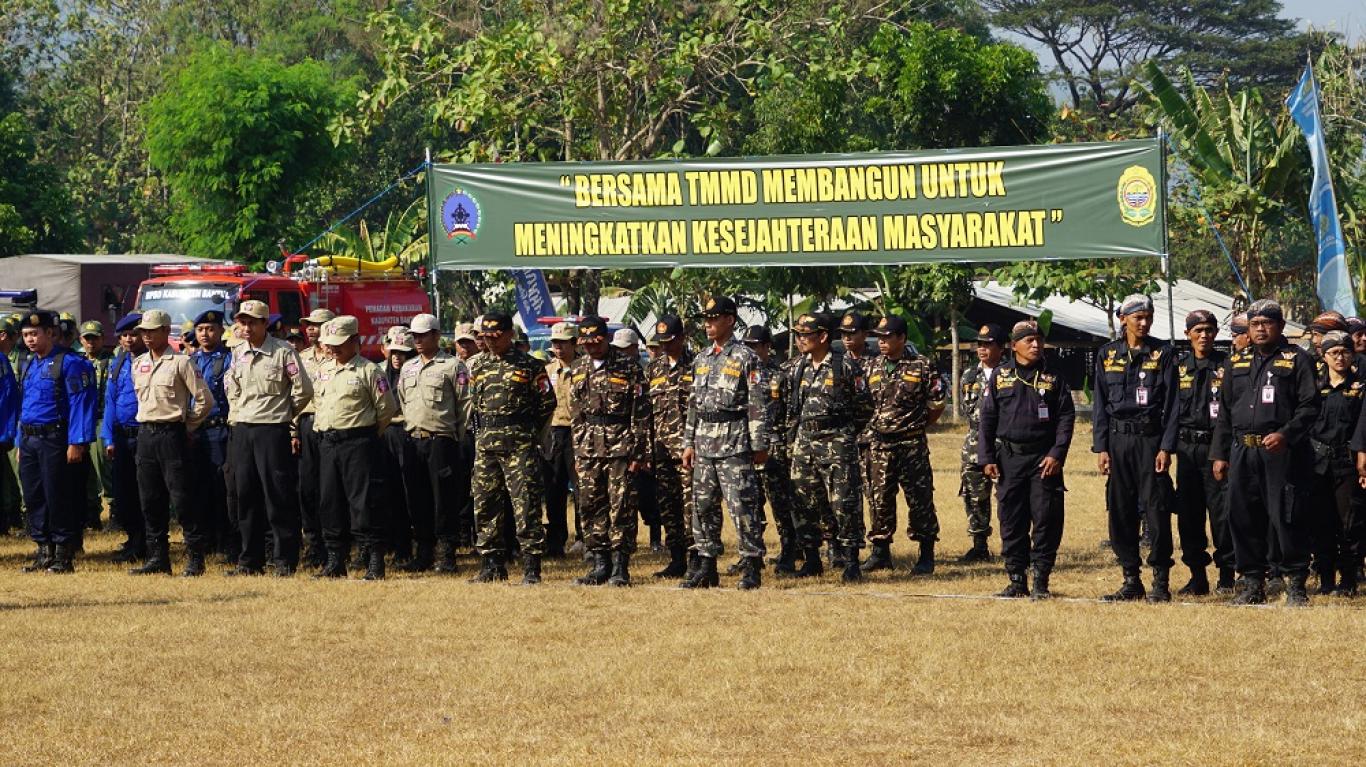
(11, 500)
(670, 377)
(513, 398)
(100, 484)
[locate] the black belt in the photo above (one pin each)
(1249, 439)
(163, 426)
(608, 420)
(721, 416)
(1143, 428)
(495, 421)
(126, 431)
(41, 429)
(900, 436)
(342, 435)
(1025, 448)
(1195, 436)
(416, 433)
(215, 422)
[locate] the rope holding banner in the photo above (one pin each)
(1200, 205)
(420, 167)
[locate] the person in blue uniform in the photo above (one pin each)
(209, 449)
(56, 427)
(119, 431)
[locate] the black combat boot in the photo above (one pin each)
(678, 564)
(694, 564)
(1131, 590)
(978, 553)
(1251, 590)
(1226, 583)
(1041, 590)
(63, 559)
(422, 561)
(786, 563)
(362, 557)
(531, 570)
(736, 567)
(284, 569)
(42, 559)
(852, 572)
(880, 558)
(811, 564)
(445, 558)
(1197, 586)
(1296, 593)
(334, 566)
(1328, 581)
(1161, 591)
(1275, 584)
(656, 538)
(925, 564)
(158, 562)
(1347, 584)
(1016, 589)
(750, 580)
(490, 570)
(599, 573)
(374, 570)
(621, 573)
(705, 577)
(836, 554)
(194, 564)
(315, 557)
(127, 555)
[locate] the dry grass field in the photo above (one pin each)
(101, 668)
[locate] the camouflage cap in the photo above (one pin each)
(92, 328)
(563, 331)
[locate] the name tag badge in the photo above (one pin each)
(1043, 412)
(1268, 395)
(1213, 409)
(1141, 395)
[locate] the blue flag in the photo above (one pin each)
(1334, 284)
(533, 297)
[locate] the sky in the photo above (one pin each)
(1345, 16)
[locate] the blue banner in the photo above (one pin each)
(1334, 283)
(533, 298)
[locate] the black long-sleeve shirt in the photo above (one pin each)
(1289, 371)
(1198, 383)
(1010, 410)
(1120, 374)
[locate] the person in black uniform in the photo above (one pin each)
(1335, 532)
(1199, 495)
(1024, 433)
(1134, 437)
(1261, 445)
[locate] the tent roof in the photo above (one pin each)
(117, 258)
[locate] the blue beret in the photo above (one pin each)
(211, 316)
(129, 322)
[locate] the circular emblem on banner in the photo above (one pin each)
(1137, 196)
(460, 216)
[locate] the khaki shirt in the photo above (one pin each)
(435, 395)
(170, 390)
(312, 360)
(559, 378)
(266, 384)
(352, 396)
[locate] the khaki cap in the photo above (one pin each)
(465, 332)
(318, 317)
(563, 331)
(339, 330)
(424, 323)
(255, 309)
(398, 338)
(154, 319)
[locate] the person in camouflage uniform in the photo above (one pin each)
(975, 487)
(725, 436)
(828, 408)
(511, 393)
(610, 414)
(776, 474)
(907, 396)
(670, 379)
(853, 329)
(100, 480)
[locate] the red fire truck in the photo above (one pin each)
(378, 294)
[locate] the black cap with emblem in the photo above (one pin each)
(495, 322)
(592, 327)
(40, 318)
(853, 322)
(809, 324)
(669, 327)
(210, 317)
(991, 333)
(758, 334)
(890, 326)
(718, 306)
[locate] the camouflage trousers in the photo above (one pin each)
(828, 486)
(904, 465)
(673, 492)
(975, 490)
(775, 480)
(517, 470)
(606, 501)
(733, 478)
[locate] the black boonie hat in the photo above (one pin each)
(718, 306)
(758, 334)
(495, 322)
(890, 326)
(853, 322)
(669, 327)
(592, 327)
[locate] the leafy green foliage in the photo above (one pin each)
(35, 210)
(239, 136)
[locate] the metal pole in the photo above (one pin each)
(1166, 253)
(433, 291)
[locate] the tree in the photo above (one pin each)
(1097, 49)
(240, 137)
(35, 210)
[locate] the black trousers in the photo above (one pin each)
(1133, 483)
(267, 483)
(309, 497)
(348, 461)
(1199, 496)
(434, 480)
(127, 507)
(208, 454)
(1029, 507)
(54, 490)
(1265, 502)
(395, 454)
(1336, 530)
(559, 478)
(163, 482)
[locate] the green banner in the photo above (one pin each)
(1102, 200)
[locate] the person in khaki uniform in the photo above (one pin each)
(352, 406)
(557, 448)
(172, 401)
(433, 389)
(305, 443)
(267, 388)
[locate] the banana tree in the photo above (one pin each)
(404, 236)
